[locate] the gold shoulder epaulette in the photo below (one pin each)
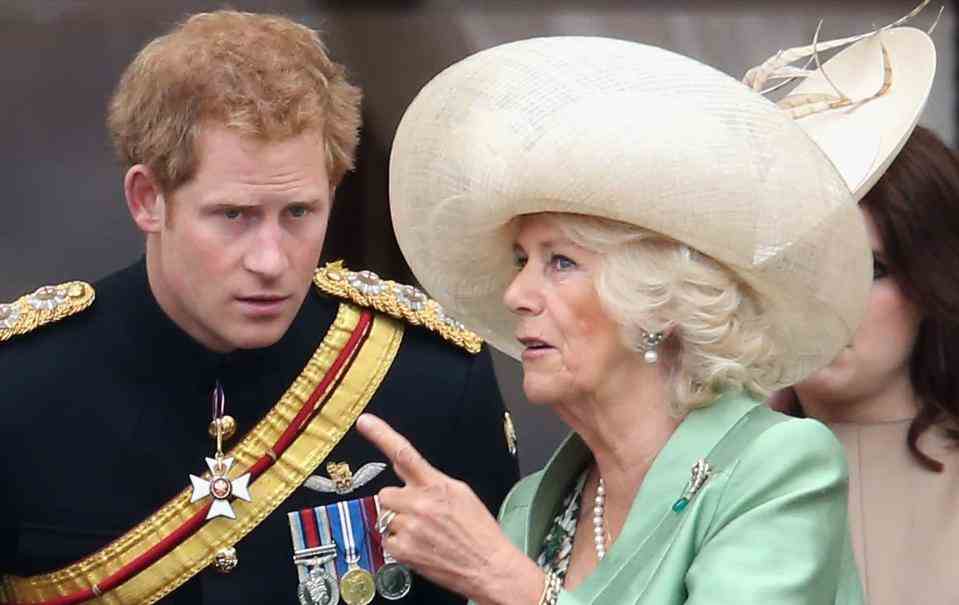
(366, 289)
(47, 305)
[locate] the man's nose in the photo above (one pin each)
(266, 255)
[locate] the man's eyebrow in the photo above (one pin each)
(226, 203)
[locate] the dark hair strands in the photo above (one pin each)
(915, 206)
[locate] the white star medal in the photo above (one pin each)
(220, 487)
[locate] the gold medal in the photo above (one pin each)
(357, 586)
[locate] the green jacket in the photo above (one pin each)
(767, 527)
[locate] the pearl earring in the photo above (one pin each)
(649, 343)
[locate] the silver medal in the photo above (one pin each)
(314, 565)
(393, 581)
(319, 588)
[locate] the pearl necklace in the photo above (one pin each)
(599, 520)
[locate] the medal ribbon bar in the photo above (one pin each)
(393, 579)
(346, 521)
(371, 508)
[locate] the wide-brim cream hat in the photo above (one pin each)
(637, 134)
(863, 138)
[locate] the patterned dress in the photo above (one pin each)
(558, 546)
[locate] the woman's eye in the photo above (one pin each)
(232, 213)
(558, 261)
(879, 269)
(519, 261)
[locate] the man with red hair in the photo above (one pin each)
(161, 425)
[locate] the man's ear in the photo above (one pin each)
(144, 199)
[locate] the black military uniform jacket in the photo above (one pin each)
(105, 415)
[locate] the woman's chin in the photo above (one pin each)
(540, 392)
(538, 398)
(826, 384)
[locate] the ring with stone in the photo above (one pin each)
(383, 524)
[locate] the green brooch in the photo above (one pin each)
(700, 473)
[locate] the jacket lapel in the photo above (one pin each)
(626, 566)
(555, 482)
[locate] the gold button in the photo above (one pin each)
(228, 425)
(226, 560)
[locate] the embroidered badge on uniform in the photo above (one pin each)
(341, 480)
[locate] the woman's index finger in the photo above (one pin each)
(408, 463)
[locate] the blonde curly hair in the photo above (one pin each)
(261, 75)
(717, 331)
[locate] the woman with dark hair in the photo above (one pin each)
(892, 396)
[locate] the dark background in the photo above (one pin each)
(62, 215)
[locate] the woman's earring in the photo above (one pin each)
(649, 343)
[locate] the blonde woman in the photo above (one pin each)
(652, 240)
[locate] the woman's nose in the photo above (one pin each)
(522, 295)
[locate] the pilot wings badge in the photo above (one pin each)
(341, 480)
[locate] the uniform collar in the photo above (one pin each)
(693, 439)
(152, 345)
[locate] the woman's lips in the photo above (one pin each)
(533, 348)
(533, 354)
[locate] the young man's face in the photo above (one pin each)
(234, 258)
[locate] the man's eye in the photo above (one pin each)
(879, 269)
(558, 261)
(299, 211)
(519, 261)
(232, 213)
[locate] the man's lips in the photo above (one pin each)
(263, 304)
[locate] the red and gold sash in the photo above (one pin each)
(289, 443)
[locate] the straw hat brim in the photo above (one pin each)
(636, 134)
(863, 139)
